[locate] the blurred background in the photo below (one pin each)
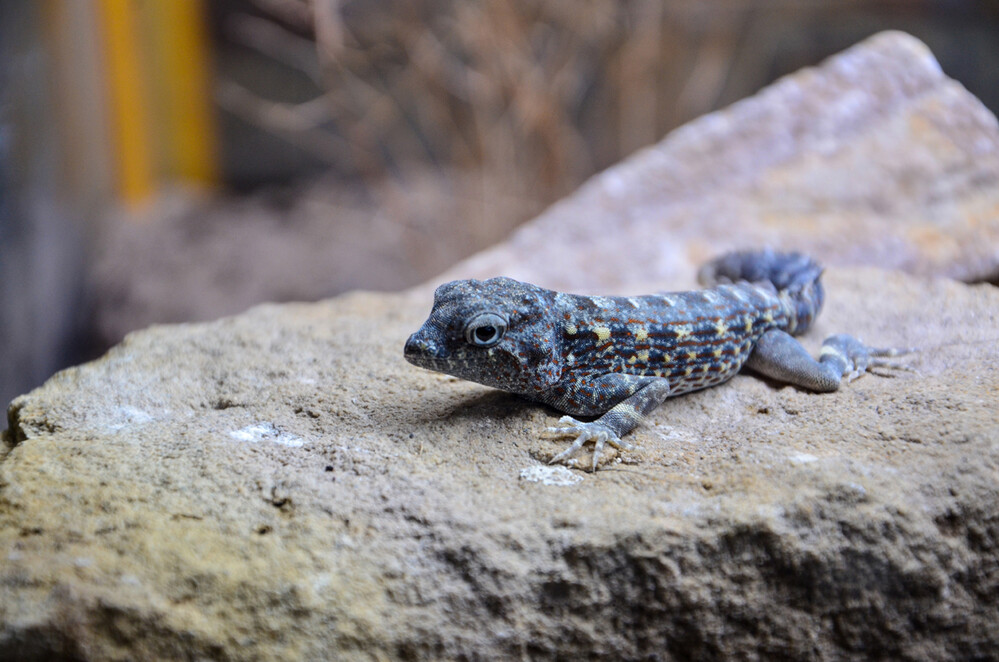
(178, 160)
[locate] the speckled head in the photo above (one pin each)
(498, 332)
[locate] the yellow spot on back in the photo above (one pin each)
(692, 355)
(641, 334)
(717, 353)
(749, 325)
(570, 329)
(689, 369)
(721, 328)
(682, 332)
(603, 333)
(643, 356)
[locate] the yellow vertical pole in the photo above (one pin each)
(128, 100)
(183, 55)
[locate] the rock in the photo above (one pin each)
(282, 485)
(875, 157)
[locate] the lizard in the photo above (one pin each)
(618, 358)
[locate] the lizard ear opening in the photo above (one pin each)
(485, 330)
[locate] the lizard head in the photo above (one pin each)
(498, 332)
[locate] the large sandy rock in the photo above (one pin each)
(282, 485)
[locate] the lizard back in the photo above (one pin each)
(694, 339)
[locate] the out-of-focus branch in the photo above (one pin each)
(539, 91)
(296, 13)
(300, 124)
(277, 43)
(329, 31)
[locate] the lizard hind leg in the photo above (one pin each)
(779, 356)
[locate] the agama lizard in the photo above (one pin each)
(618, 358)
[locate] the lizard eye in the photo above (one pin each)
(485, 329)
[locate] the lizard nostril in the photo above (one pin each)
(418, 346)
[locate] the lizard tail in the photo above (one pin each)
(795, 277)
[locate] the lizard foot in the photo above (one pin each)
(594, 431)
(861, 359)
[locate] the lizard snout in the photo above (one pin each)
(421, 348)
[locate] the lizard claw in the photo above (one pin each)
(598, 433)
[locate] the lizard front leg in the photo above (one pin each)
(636, 396)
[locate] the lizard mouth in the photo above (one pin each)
(425, 353)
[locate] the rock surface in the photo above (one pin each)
(282, 485)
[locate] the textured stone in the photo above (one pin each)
(283, 485)
(875, 157)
